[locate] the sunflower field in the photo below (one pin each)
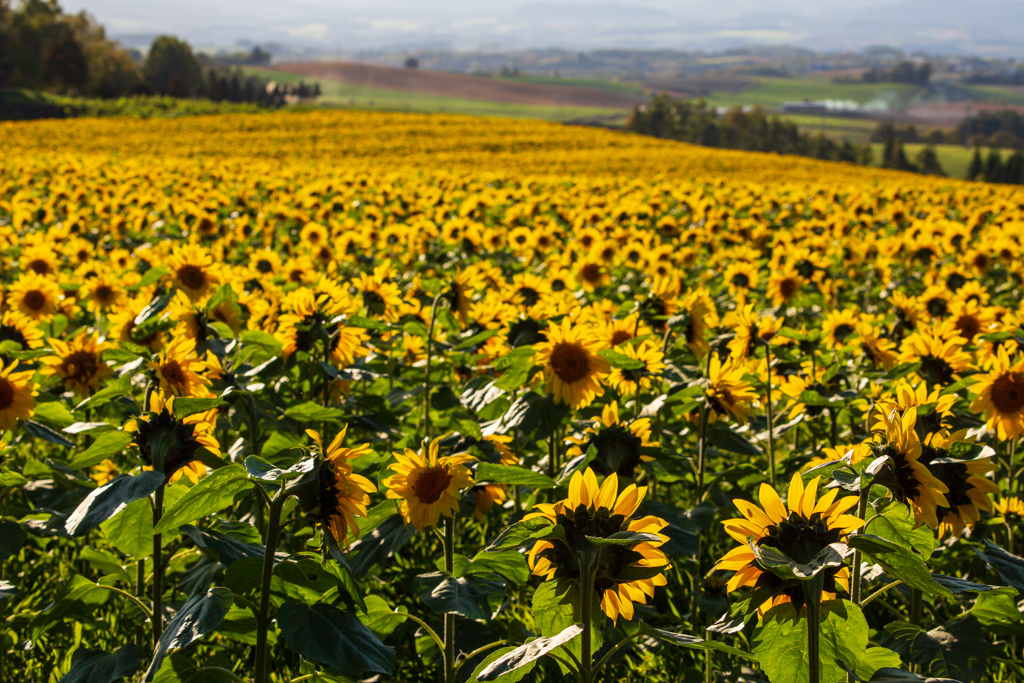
(338, 396)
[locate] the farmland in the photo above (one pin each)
(331, 395)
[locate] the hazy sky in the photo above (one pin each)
(474, 24)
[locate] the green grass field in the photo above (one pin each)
(611, 86)
(954, 158)
(856, 130)
(773, 92)
(342, 95)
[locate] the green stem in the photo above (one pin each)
(618, 646)
(862, 508)
(771, 422)
(158, 569)
(1010, 479)
(878, 593)
(430, 339)
(140, 591)
(553, 461)
(703, 435)
(586, 638)
(263, 618)
(426, 627)
(135, 599)
(479, 650)
(449, 618)
(813, 608)
(254, 428)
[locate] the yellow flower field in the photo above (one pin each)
(338, 395)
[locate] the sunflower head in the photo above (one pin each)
(428, 486)
(799, 529)
(572, 365)
(623, 573)
(341, 494)
(170, 444)
(618, 445)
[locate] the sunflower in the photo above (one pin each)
(727, 393)
(783, 287)
(625, 574)
(34, 296)
(877, 349)
(105, 472)
(1000, 396)
(1010, 507)
(170, 444)
(740, 277)
(23, 331)
(942, 359)
(192, 270)
(460, 294)
(77, 363)
(617, 332)
(380, 297)
(103, 293)
(17, 395)
(700, 317)
(619, 445)
(840, 326)
(907, 478)
(629, 382)
(427, 485)
(570, 361)
(799, 530)
(485, 496)
(343, 495)
(750, 328)
(347, 344)
(178, 369)
(122, 324)
(969, 489)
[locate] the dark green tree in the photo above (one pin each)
(994, 167)
(927, 161)
(64, 64)
(976, 167)
(1013, 171)
(171, 68)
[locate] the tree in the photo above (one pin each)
(894, 157)
(1013, 171)
(976, 167)
(412, 63)
(994, 167)
(171, 68)
(927, 161)
(64, 62)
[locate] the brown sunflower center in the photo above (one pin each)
(173, 373)
(264, 266)
(6, 393)
(592, 272)
(570, 362)
(34, 300)
(103, 293)
(788, 287)
(432, 483)
(619, 336)
(192, 276)
(968, 326)
(39, 266)
(1008, 393)
(81, 366)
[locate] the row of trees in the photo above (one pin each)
(1004, 129)
(42, 48)
(994, 169)
(901, 72)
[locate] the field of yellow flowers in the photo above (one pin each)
(346, 396)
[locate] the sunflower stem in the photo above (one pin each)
(1010, 478)
(586, 638)
(430, 339)
(553, 461)
(158, 569)
(703, 436)
(771, 423)
(449, 618)
(862, 509)
(263, 618)
(812, 606)
(140, 591)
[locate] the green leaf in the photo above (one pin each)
(258, 468)
(106, 445)
(780, 644)
(509, 474)
(108, 500)
(624, 538)
(45, 433)
(621, 360)
(200, 615)
(723, 438)
(956, 649)
(131, 529)
(900, 563)
(553, 606)
(81, 596)
(185, 406)
(466, 596)
(1009, 566)
(527, 653)
(213, 493)
(380, 618)
(122, 386)
(782, 566)
(998, 613)
(150, 277)
(314, 412)
(55, 413)
(264, 340)
(104, 562)
(513, 676)
(515, 367)
(7, 590)
(519, 533)
(509, 564)
(12, 537)
(475, 339)
(693, 642)
(12, 479)
(96, 666)
(228, 549)
(337, 639)
(896, 523)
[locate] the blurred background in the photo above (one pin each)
(935, 86)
